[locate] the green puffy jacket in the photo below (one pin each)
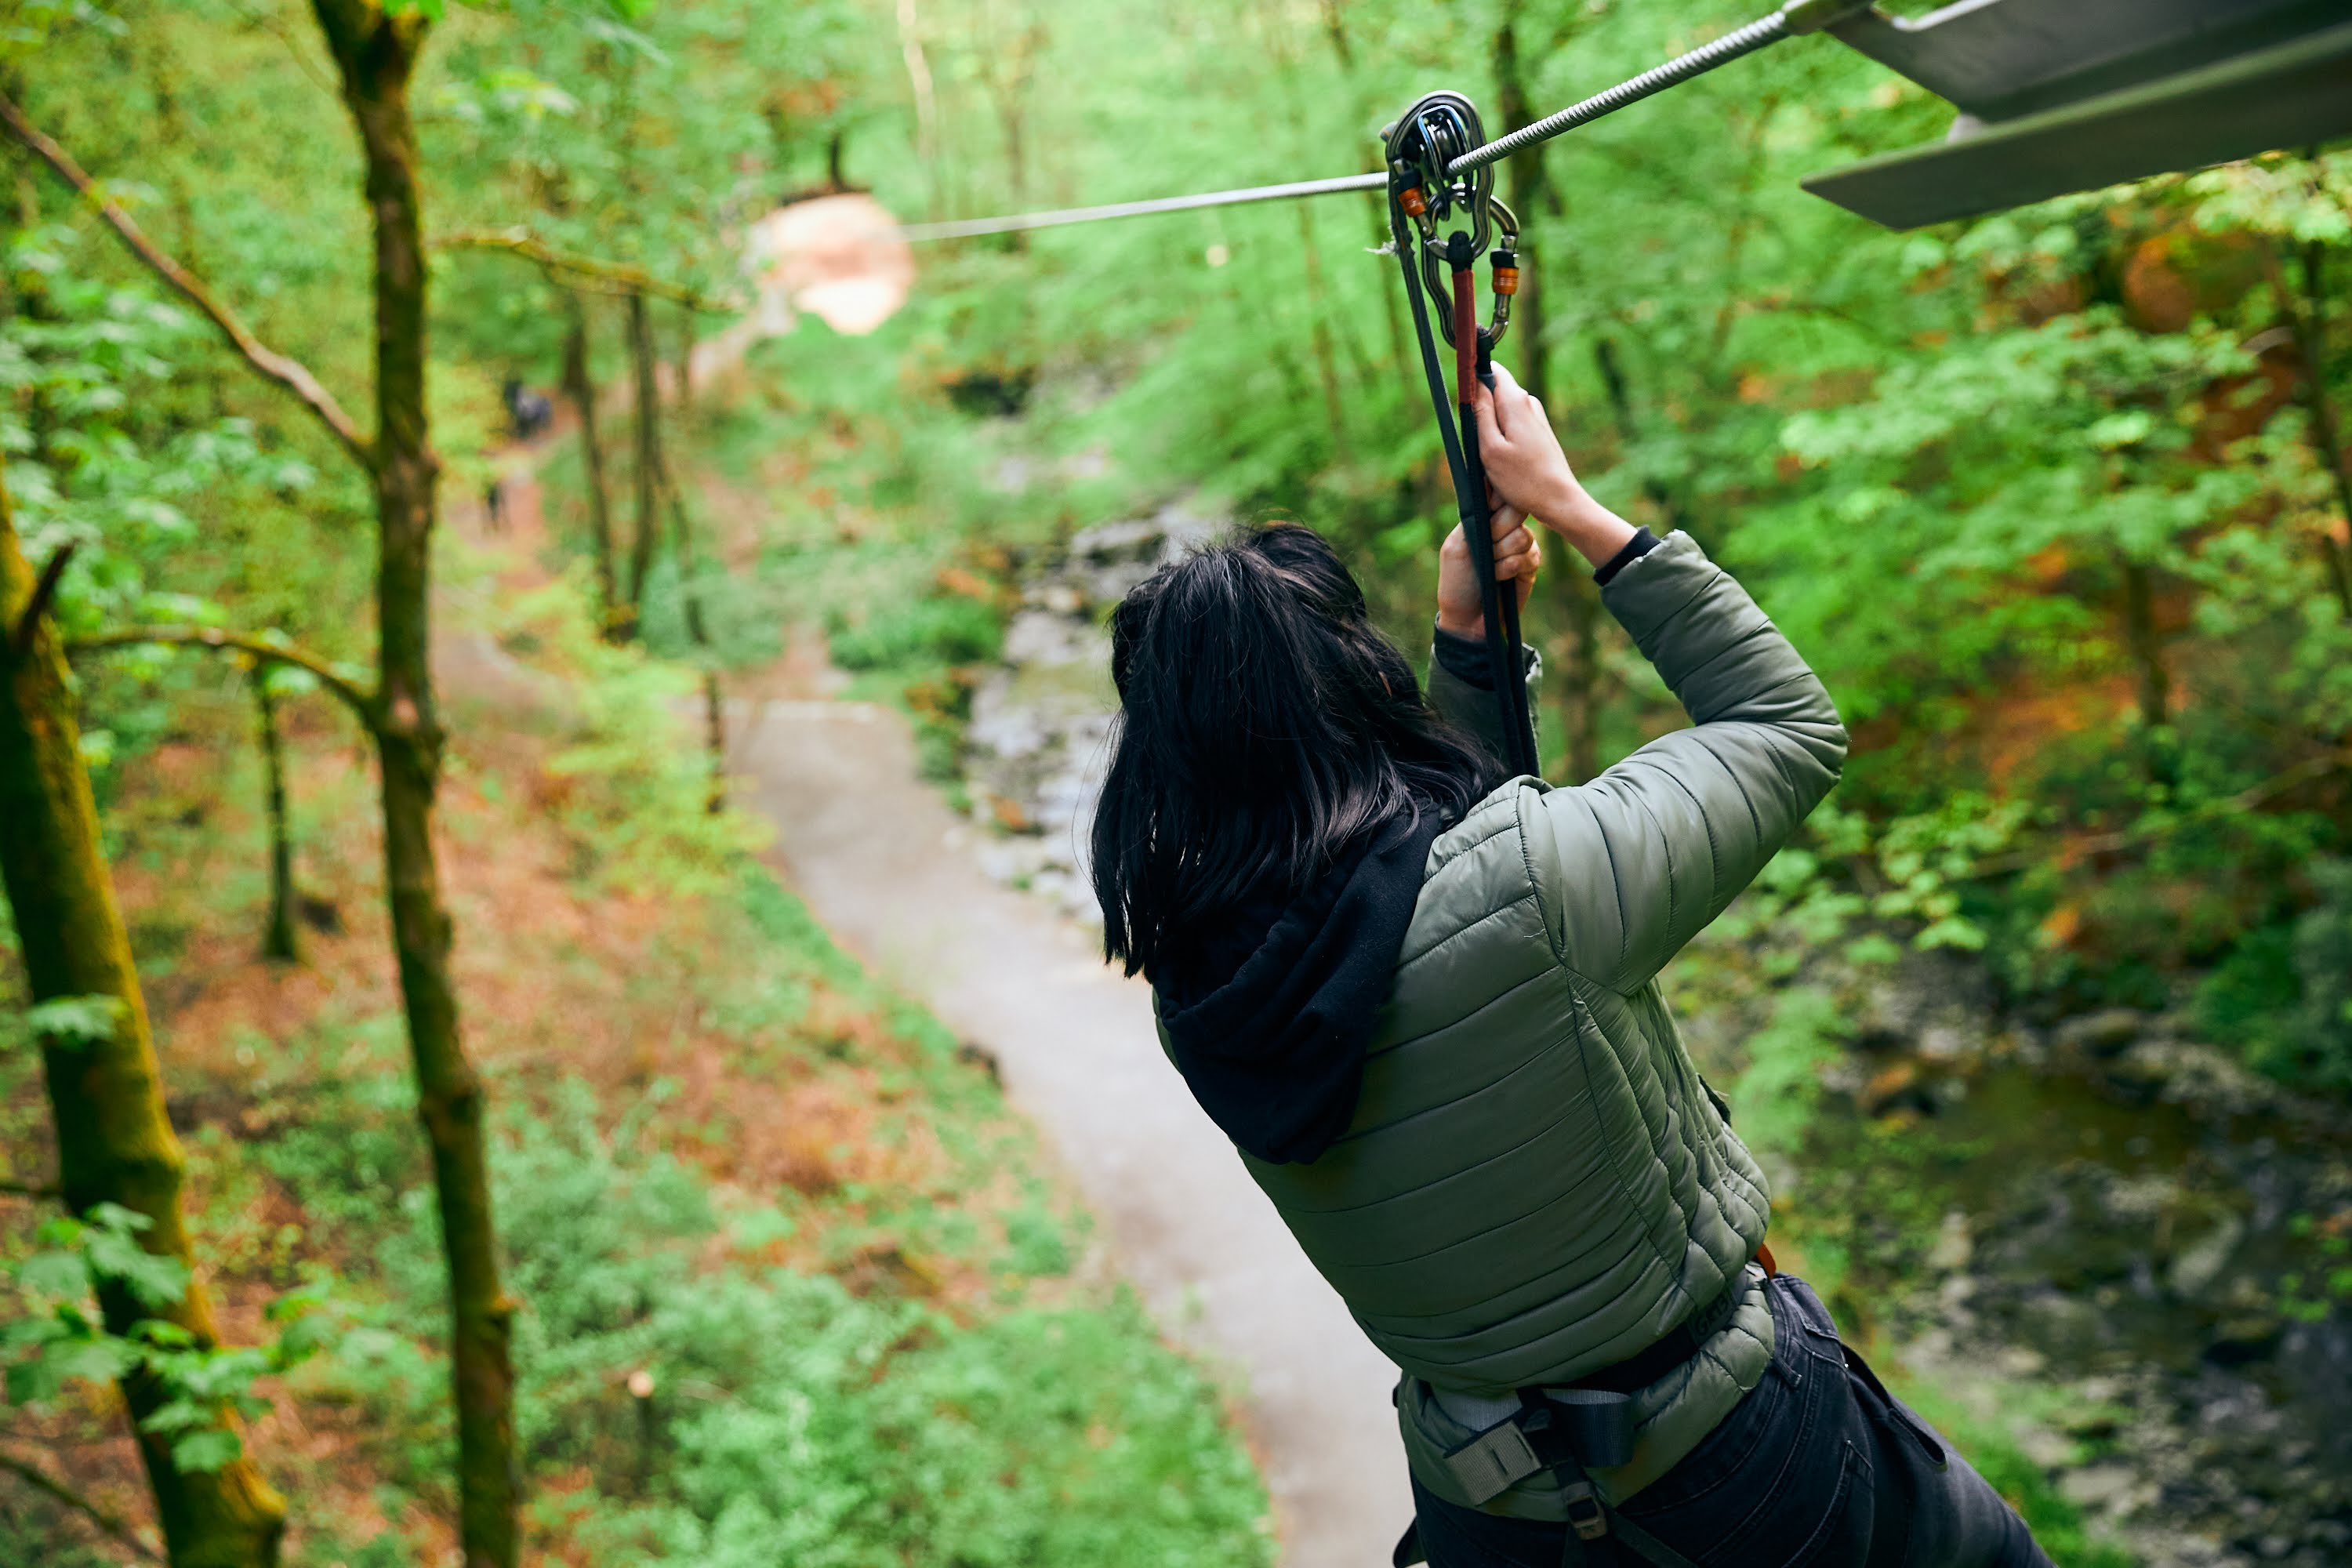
(1537, 1185)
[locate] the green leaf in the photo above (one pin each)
(1950, 932)
(207, 1451)
(100, 1358)
(155, 1281)
(178, 1415)
(55, 1274)
(74, 1021)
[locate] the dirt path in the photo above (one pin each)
(889, 870)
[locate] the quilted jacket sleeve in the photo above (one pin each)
(1632, 866)
(1472, 709)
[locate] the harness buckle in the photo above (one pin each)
(1584, 1510)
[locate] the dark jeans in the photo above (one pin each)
(1819, 1466)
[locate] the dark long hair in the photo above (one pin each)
(1266, 725)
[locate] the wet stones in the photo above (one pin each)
(1039, 737)
(2101, 1034)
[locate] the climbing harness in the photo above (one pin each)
(1426, 147)
(1571, 1431)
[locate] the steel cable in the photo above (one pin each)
(1746, 40)
(967, 228)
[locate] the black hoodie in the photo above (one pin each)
(1268, 1019)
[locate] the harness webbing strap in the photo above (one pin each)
(1470, 503)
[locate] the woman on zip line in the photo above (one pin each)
(1422, 1000)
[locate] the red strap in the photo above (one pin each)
(1764, 1256)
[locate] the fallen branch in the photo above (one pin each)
(362, 703)
(625, 279)
(2124, 839)
(41, 1480)
(289, 373)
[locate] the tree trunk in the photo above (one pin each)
(1326, 362)
(647, 401)
(682, 394)
(115, 1143)
(580, 390)
(1335, 28)
(278, 941)
(1399, 353)
(1531, 197)
(2153, 681)
(698, 630)
(2307, 322)
(376, 55)
(1620, 406)
(927, 108)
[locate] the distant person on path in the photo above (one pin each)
(1422, 1000)
(528, 413)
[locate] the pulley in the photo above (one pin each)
(1421, 146)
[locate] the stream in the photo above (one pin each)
(2100, 1227)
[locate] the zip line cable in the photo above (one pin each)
(1745, 40)
(970, 227)
(1796, 17)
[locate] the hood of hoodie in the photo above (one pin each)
(1267, 1019)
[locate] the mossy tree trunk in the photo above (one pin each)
(115, 1143)
(376, 53)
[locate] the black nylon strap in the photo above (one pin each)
(1502, 625)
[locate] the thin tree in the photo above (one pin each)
(279, 941)
(2306, 321)
(375, 51)
(579, 390)
(115, 1142)
(644, 360)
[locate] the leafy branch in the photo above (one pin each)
(360, 702)
(623, 278)
(289, 373)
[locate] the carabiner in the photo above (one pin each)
(1421, 146)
